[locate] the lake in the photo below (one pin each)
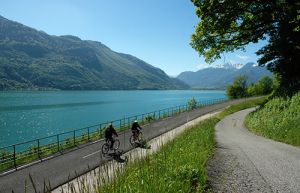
(30, 115)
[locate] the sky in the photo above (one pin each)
(156, 31)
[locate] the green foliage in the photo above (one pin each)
(192, 104)
(279, 119)
(238, 89)
(262, 87)
(229, 25)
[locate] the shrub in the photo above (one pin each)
(149, 118)
(263, 86)
(238, 89)
(192, 104)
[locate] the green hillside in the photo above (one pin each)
(31, 59)
(278, 119)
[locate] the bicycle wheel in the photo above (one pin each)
(140, 137)
(132, 141)
(105, 148)
(116, 144)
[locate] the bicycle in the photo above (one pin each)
(136, 138)
(106, 146)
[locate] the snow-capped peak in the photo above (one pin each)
(230, 65)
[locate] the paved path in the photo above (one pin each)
(245, 162)
(62, 168)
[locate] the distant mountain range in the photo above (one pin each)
(220, 77)
(32, 59)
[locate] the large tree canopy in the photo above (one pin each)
(227, 25)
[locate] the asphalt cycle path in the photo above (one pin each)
(245, 162)
(72, 163)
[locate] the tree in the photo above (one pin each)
(229, 25)
(263, 86)
(238, 89)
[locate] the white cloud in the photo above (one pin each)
(242, 57)
(232, 62)
(201, 66)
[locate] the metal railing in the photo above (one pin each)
(19, 154)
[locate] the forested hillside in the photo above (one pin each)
(32, 59)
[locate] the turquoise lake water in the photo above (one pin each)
(30, 115)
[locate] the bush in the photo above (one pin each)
(192, 104)
(262, 87)
(238, 89)
(149, 118)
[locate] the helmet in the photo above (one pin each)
(135, 121)
(110, 124)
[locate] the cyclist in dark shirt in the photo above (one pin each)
(109, 132)
(135, 128)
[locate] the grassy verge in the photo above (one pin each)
(179, 166)
(279, 119)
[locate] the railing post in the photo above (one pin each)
(88, 134)
(74, 140)
(38, 144)
(120, 123)
(99, 131)
(57, 141)
(15, 163)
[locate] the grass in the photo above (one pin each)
(278, 119)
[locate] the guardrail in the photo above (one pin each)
(16, 155)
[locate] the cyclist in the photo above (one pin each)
(135, 128)
(109, 132)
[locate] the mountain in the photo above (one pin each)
(32, 59)
(219, 78)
